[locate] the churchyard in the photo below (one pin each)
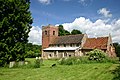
(89, 71)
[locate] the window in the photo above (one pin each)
(53, 32)
(50, 55)
(45, 32)
(58, 45)
(69, 55)
(70, 45)
(64, 45)
(77, 45)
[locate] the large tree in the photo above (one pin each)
(15, 24)
(75, 31)
(62, 31)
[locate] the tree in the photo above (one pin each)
(117, 49)
(33, 50)
(75, 31)
(15, 24)
(117, 70)
(62, 31)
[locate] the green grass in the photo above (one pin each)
(94, 71)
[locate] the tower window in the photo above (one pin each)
(53, 32)
(45, 32)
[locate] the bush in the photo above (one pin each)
(73, 60)
(97, 55)
(54, 59)
(67, 61)
(37, 63)
(84, 60)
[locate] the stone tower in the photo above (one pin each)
(48, 34)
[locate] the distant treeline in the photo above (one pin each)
(32, 50)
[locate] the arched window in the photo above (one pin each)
(45, 32)
(53, 32)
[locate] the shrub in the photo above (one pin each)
(67, 61)
(54, 59)
(37, 63)
(97, 55)
(84, 60)
(73, 60)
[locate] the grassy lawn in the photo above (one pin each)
(94, 71)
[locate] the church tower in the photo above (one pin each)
(48, 34)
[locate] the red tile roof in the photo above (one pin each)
(99, 43)
(69, 39)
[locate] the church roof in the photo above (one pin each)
(68, 39)
(99, 43)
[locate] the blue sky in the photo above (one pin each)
(100, 15)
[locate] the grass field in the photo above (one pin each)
(94, 71)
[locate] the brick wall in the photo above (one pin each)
(48, 34)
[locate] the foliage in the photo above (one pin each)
(15, 24)
(62, 31)
(75, 31)
(37, 63)
(74, 61)
(33, 50)
(117, 49)
(97, 55)
(68, 61)
(117, 73)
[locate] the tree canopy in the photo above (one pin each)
(15, 24)
(63, 32)
(75, 31)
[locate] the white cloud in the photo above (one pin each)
(45, 1)
(35, 35)
(104, 12)
(92, 29)
(97, 28)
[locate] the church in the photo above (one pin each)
(54, 46)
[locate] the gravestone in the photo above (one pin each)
(21, 63)
(12, 64)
